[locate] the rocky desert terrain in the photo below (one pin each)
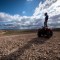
(28, 46)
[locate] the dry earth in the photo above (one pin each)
(30, 47)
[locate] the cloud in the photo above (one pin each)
(43, 7)
(16, 21)
(52, 7)
(23, 12)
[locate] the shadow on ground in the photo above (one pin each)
(16, 54)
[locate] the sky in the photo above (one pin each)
(21, 7)
(29, 14)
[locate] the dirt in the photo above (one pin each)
(30, 47)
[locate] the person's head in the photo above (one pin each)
(45, 14)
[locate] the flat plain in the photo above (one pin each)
(27, 46)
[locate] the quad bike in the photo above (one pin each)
(45, 32)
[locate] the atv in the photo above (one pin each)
(45, 32)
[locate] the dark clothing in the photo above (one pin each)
(46, 19)
(45, 24)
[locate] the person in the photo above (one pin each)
(46, 20)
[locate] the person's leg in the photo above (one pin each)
(45, 24)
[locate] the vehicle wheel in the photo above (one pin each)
(49, 33)
(39, 33)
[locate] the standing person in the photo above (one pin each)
(46, 20)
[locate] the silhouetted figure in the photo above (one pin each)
(46, 20)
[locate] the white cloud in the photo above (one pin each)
(23, 12)
(52, 7)
(18, 22)
(36, 20)
(42, 8)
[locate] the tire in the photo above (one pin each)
(45, 32)
(49, 33)
(39, 33)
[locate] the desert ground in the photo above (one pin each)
(27, 46)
